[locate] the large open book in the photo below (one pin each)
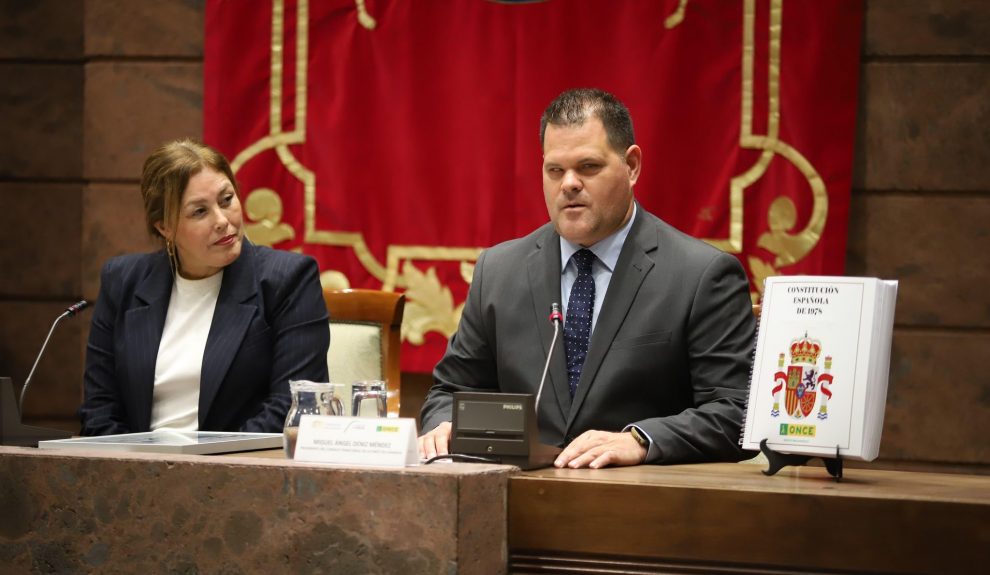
(819, 379)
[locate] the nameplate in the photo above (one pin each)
(388, 442)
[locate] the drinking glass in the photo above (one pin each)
(368, 398)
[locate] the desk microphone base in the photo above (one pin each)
(541, 455)
(500, 427)
(12, 431)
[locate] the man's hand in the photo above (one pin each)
(435, 442)
(596, 449)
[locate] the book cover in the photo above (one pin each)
(819, 379)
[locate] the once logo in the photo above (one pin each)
(799, 430)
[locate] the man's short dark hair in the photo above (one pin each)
(575, 107)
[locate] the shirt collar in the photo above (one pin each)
(606, 250)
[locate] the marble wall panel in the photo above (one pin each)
(923, 126)
(41, 115)
(131, 108)
(946, 27)
(162, 28)
(41, 29)
(113, 224)
(39, 229)
(935, 246)
(56, 389)
(938, 399)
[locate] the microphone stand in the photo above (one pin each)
(555, 318)
(12, 431)
(481, 431)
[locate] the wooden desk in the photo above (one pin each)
(76, 512)
(722, 518)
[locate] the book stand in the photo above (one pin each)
(778, 461)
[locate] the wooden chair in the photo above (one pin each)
(364, 338)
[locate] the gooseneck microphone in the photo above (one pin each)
(69, 312)
(556, 318)
(487, 426)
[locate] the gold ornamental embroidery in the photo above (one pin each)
(788, 247)
(363, 17)
(429, 303)
(677, 16)
(264, 207)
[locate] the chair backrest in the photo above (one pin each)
(364, 338)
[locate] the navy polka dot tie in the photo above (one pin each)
(577, 327)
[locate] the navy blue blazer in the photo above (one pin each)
(270, 325)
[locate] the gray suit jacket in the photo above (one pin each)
(270, 325)
(671, 351)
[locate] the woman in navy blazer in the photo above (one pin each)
(269, 323)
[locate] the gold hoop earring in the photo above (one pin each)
(172, 260)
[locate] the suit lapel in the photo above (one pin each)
(144, 326)
(543, 266)
(231, 318)
(635, 261)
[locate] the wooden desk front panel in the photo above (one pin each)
(730, 518)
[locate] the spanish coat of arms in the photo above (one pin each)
(803, 381)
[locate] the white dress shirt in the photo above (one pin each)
(606, 253)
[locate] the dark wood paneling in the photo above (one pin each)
(160, 28)
(525, 563)
(132, 108)
(41, 29)
(42, 221)
(41, 116)
(923, 126)
(724, 516)
(935, 246)
(946, 27)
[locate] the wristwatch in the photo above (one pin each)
(640, 438)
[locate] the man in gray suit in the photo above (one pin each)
(654, 361)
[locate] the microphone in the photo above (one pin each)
(12, 431)
(556, 318)
(488, 424)
(69, 312)
(76, 308)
